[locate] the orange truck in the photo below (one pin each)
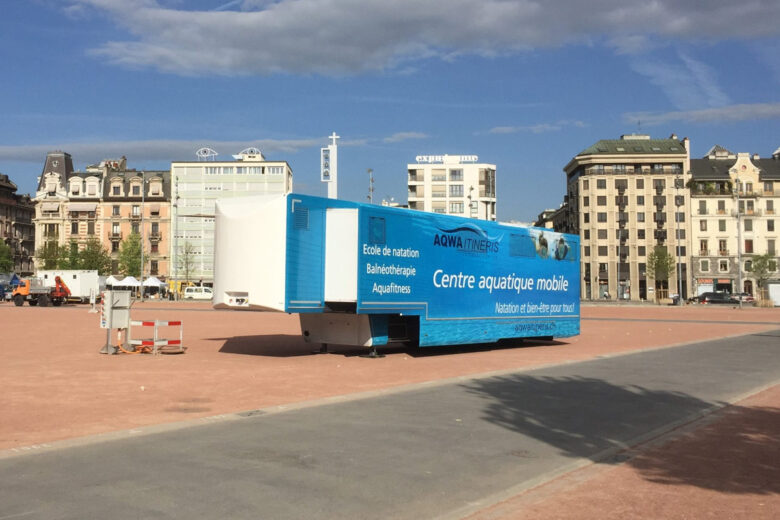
(34, 292)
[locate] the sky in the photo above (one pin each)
(525, 85)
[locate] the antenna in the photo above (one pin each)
(370, 186)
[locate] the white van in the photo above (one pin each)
(197, 293)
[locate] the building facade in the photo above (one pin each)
(16, 226)
(197, 185)
(625, 198)
(735, 202)
(107, 201)
(453, 185)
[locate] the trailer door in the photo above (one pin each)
(341, 248)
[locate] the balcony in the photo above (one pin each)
(704, 211)
(114, 235)
(704, 252)
(439, 194)
(155, 237)
(135, 216)
(723, 252)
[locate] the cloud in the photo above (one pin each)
(540, 128)
(158, 150)
(744, 112)
(341, 37)
(404, 136)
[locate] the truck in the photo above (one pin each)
(368, 275)
(81, 282)
(35, 292)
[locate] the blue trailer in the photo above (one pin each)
(362, 274)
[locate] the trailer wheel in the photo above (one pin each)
(56, 303)
(33, 303)
(18, 300)
(44, 301)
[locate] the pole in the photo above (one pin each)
(677, 232)
(739, 244)
(143, 200)
(370, 186)
(333, 185)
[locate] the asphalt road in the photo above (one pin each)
(437, 452)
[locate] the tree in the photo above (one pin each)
(187, 260)
(6, 258)
(95, 256)
(761, 269)
(659, 265)
(49, 254)
(130, 255)
(69, 256)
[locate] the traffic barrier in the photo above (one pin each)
(156, 344)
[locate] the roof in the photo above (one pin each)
(718, 169)
(628, 146)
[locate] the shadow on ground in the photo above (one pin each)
(291, 345)
(589, 418)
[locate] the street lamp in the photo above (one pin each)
(678, 203)
(143, 201)
(738, 185)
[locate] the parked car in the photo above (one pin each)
(715, 297)
(745, 297)
(198, 293)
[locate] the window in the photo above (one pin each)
(621, 184)
(276, 170)
(153, 267)
(703, 248)
(721, 207)
(679, 216)
(115, 228)
(456, 190)
(748, 224)
(456, 175)
(74, 189)
(640, 234)
(748, 265)
(456, 207)
(91, 189)
(640, 184)
(704, 266)
(154, 247)
(585, 185)
(74, 228)
(723, 266)
(586, 218)
(702, 225)
(680, 234)
(586, 201)
(115, 190)
(115, 211)
(603, 251)
(586, 234)
(136, 190)
(702, 207)
(212, 170)
(136, 211)
(601, 217)
(722, 249)
(658, 183)
(587, 250)
(602, 234)
(770, 246)
(640, 200)
(227, 170)
(601, 184)
(114, 247)
(748, 246)
(770, 207)
(641, 251)
(721, 225)
(640, 216)
(601, 200)
(90, 228)
(770, 225)
(135, 227)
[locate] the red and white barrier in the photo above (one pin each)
(156, 343)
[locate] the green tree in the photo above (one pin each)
(6, 258)
(95, 256)
(49, 254)
(69, 256)
(660, 265)
(130, 255)
(761, 270)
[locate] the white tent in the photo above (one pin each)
(111, 281)
(153, 281)
(128, 281)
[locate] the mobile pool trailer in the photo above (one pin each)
(361, 274)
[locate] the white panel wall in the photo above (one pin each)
(341, 247)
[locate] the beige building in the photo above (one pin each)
(624, 198)
(16, 227)
(196, 187)
(453, 185)
(735, 202)
(107, 201)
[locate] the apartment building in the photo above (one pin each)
(197, 185)
(16, 227)
(735, 201)
(453, 185)
(625, 197)
(107, 201)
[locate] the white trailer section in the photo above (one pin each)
(82, 283)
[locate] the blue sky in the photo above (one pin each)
(525, 85)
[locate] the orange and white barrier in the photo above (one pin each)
(156, 344)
